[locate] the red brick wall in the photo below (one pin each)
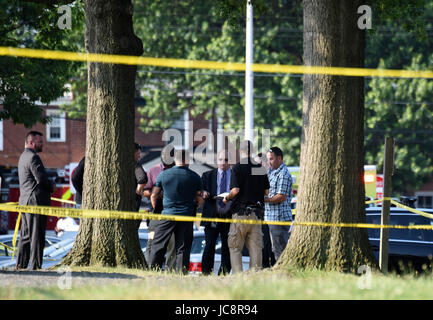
(59, 154)
(427, 187)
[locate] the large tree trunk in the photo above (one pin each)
(109, 169)
(331, 187)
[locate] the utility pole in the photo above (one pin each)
(249, 75)
(388, 165)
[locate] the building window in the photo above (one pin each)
(56, 129)
(425, 200)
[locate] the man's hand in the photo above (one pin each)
(233, 193)
(206, 195)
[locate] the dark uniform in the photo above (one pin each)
(252, 181)
(77, 182)
(179, 185)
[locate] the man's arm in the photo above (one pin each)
(283, 188)
(38, 171)
(77, 176)
(206, 187)
(233, 193)
(154, 197)
(278, 198)
(140, 189)
(147, 193)
(141, 177)
(199, 198)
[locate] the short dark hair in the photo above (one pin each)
(137, 147)
(181, 155)
(33, 134)
(277, 151)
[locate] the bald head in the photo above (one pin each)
(224, 159)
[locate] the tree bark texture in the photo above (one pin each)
(109, 169)
(331, 187)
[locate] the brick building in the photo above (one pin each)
(65, 139)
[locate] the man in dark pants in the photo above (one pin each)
(182, 188)
(140, 177)
(167, 162)
(140, 181)
(35, 189)
(249, 185)
(215, 182)
(77, 182)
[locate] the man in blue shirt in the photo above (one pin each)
(182, 189)
(277, 205)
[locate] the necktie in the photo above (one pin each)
(223, 188)
(223, 182)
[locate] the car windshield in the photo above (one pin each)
(403, 234)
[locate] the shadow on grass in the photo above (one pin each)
(83, 274)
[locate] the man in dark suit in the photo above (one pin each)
(77, 182)
(35, 189)
(215, 182)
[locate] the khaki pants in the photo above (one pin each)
(250, 235)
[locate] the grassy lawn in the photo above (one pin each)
(292, 285)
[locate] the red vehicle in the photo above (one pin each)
(62, 192)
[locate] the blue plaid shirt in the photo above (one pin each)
(280, 181)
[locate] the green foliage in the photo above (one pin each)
(234, 11)
(401, 108)
(213, 31)
(23, 81)
(199, 33)
(407, 13)
(78, 76)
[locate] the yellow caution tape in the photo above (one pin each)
(425, 214)
(14, 239)
(377, 201)
(63, 200)
(6, 246)
(132, 215)
(215, 65)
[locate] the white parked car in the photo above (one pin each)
(6, 259)
(197, 249)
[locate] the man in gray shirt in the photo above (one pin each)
(35, 189)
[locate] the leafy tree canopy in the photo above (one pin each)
(211, 30)
(24, 82)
